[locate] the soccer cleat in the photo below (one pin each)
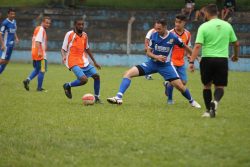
(165, 84)
(148, 77)
(67, 90)
(41, 90)
(170, 102)
(26, 84)
(206, 114)
(114, 100)
(213, 107)
(98, 100)
(195, 104)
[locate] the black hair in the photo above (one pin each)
(212, 9)
(161, 21)
(181, 17)
(77, 19)
(11, 10)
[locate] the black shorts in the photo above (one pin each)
(214, 70)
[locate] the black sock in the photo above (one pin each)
(207, 96)
(218, 94)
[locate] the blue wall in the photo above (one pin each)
(118, 60)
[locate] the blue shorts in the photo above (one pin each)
(6, 54)
(88, 71)
(181, 70)
(166, 70)
(40, 65)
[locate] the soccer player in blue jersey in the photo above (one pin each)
(8, 37)
(159, 50)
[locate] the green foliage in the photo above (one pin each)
(47, 129)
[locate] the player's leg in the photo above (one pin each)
(181, 70)
(169, 73)
(90, 71)
(139, 70)
(40, 77)
(220, 80)
(149, 76)
(4, 58)
(32, 75)
(206, 72)
(81, 80)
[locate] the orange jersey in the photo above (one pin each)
(75, 47)
(179, 53)
(40, 36)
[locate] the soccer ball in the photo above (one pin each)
(88, 99)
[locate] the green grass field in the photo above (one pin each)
(47, 129)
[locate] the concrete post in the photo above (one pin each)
(129, 32)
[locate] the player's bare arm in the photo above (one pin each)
(156, 57)
(235, 56)
(63, 54)
(1, 42)
(146, 42)
(16, 37)
(93, 59)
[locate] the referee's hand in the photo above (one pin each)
(234, 58)
(191, 67)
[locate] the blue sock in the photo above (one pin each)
(123, 87)
(33, 74)
(2, 67)
(40, 80)
(75, 83)
(170, 91)
(187, 95)
(97, 84)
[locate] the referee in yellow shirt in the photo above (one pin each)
(214, 37)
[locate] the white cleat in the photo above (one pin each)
(206, 115)
(114, 100)
(195, 104)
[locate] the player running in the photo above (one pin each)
(8, 37)
(74, 55)
(39, 57)
(159, 50)
(146, 42)
(178, 54)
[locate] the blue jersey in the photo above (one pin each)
(8, 31)
(164, 45)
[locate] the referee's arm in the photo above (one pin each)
(235, 56)
(195, 53)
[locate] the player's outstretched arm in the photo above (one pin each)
(93, 59)
(235, 56)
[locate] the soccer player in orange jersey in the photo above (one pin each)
(178, 54)
(38, 52)
(75, 51)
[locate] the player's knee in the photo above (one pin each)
(83, 80)
(126, 74)
(96, 77)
